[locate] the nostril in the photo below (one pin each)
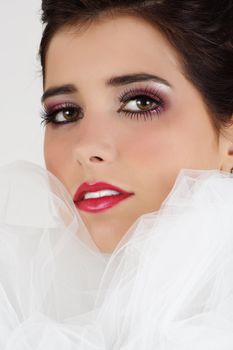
(96, 158)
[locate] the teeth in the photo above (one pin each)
(99, 194)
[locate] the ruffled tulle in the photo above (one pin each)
(168, 285)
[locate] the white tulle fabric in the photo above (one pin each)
(168, 285)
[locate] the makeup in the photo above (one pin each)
(136, 103)
(98, 196)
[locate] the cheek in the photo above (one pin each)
(55, 154)
(146, 146)
(148, 157)
(194, 144)
(160, 150)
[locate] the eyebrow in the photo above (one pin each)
(113, 81)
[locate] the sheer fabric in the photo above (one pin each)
(168, 285)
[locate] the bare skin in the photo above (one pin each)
(141, 153)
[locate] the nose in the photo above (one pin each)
(94, 143)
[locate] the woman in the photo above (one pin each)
(125, 242)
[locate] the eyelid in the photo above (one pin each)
(149, 91)
(49, 113)
(130, 93)
(50, 108)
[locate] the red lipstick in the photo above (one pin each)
(95, 205)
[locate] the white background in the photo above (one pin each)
(21, 135)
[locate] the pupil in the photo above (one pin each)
(143, 102)
(69, 113)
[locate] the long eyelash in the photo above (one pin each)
(144, 115)
(132, 94)
(45, 116)
(48, 116)
(149, 91)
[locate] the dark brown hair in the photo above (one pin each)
(200, 30)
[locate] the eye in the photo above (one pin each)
(61, 114)
(66, 114)
(141, 103)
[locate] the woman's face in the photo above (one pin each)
(133, 119)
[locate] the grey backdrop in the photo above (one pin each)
(21, 135)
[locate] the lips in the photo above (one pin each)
(98, 204)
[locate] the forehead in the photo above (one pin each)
(108, 47)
